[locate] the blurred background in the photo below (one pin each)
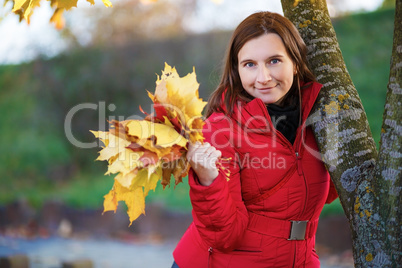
(99, 67)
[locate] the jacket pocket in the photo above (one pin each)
(247, 250)
(250, 243)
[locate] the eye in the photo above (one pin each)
(274, 61)
(249, 64)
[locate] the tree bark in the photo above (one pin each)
(368, 187)
(388, 172)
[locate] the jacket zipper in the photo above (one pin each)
(210, 249)
(298, 163)
(295, 148)
(298, 143)
(294, 254)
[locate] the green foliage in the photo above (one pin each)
(388, 4)
(176, 198)
(39, 163)
(84, 190)
(332, 209)
(366, 44)
(29, 141)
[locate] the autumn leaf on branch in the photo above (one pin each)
(143, 152)
(24, 8)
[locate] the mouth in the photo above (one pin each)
(265, 88)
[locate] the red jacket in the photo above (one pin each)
(245, 222)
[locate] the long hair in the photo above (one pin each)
(230, 87)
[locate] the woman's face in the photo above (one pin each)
(265, 68)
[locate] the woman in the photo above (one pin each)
(266, 214)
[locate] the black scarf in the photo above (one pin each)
(285, 119)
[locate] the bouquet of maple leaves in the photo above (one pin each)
(143, 152)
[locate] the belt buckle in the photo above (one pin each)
(298, 230)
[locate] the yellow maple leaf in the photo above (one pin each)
(58, 19)
(181, 92)
(180, 98)
(113, 144)
(102, 135)
(195, 131)
(127, 179)
(135, 202)
(24, 8)
(125, 162)
(66, 4)
(141, 178)
(107, 3)
(134, 199)
(110, 203)
(133, 195)
(149, 145)
(21, 4)
(153, 177)
(165, 136)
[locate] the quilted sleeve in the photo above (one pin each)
(218, 210)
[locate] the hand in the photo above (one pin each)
(202, 158)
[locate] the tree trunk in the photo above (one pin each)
(388, 172)
(368, 187)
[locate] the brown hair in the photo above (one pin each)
(254, 26)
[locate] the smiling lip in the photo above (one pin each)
(265, 88)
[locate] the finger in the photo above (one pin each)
(199, 153)
(205, 147)
(212, 156)
(210, 150)
(192, 147)
(196, 153)
(198, 150)
(215, 155)
(218, 153)
(202, 147)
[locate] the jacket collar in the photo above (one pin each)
(255, 110)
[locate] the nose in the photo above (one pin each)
(264, 75)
